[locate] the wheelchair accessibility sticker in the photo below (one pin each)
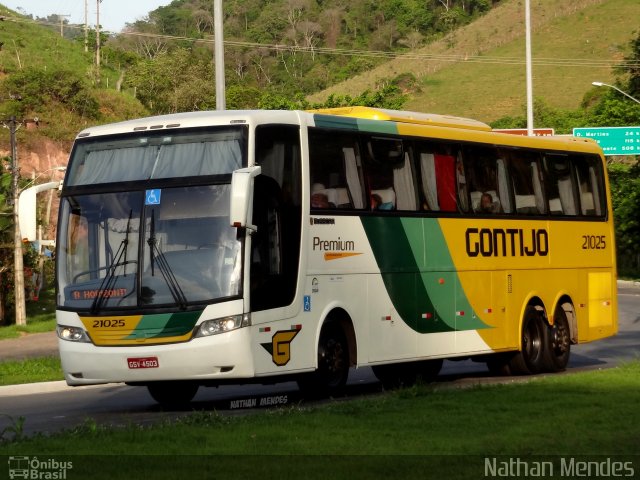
(152, 197)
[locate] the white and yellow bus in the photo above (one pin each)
(255, 246)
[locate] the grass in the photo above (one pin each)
(591, 413)
(422, 432)
(41, 317)
(43, 369)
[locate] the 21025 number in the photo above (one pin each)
(109, 323)
(594, 242)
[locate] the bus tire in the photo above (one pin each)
(174, 394)
(558, 348)
(530, 358)
(330, 378)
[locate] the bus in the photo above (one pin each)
(208, 248)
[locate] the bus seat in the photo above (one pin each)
(342, 197)
(475, 200)
(555, 207)
(526, 204)
(586, 204)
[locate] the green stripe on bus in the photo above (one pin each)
(358, 124)
(165, 325)
(421, 282)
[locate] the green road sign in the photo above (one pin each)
(613, 140)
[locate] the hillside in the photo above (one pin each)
(478, 71)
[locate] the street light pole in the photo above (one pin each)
(221, 103)
(601, 84)
(529, 73)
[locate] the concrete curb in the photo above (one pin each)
(40, 387)
(629, 283)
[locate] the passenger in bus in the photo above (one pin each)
(378, 204)
(487, 205)
(320, 200)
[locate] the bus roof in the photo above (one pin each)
(417, 118)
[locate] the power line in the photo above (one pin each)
(453, 58)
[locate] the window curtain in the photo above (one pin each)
(597, 196)
(353, 177)
(565, 188)
(105, 166)
(428, 174)
(503, 186)
(404, 187)
(194, 159)
(537, 187)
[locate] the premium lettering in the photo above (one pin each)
(333, 245)
(510, 242)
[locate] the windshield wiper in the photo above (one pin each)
(155, 254)
(110, 277)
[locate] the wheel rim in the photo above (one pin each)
(560, 336)
(333, 362)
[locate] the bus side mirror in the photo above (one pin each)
(242, 196)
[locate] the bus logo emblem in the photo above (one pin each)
(280, 346)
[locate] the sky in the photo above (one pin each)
(113, 13)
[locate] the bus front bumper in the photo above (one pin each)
(219, 357)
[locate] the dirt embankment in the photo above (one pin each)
(38, 158)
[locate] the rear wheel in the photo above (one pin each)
(173, 394)
(333, 365)
(530, 359)
(558, 348)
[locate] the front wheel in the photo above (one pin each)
(174, 394)
(333, 365)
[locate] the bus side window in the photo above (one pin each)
(335, 170)
(588, 170)
(560, 185)
(525, 177)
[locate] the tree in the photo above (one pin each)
(631, 67)
(625, 193)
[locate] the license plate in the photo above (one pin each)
(144, 362)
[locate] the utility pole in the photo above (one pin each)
(86, 26)
(61, 17)
(21, 313)
(98, 37)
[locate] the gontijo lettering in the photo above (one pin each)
(510, 242)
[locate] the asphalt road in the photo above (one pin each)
(51, 407)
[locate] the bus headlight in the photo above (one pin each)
(222, 325)
(72, 334)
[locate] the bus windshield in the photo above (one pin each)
(162, 242)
